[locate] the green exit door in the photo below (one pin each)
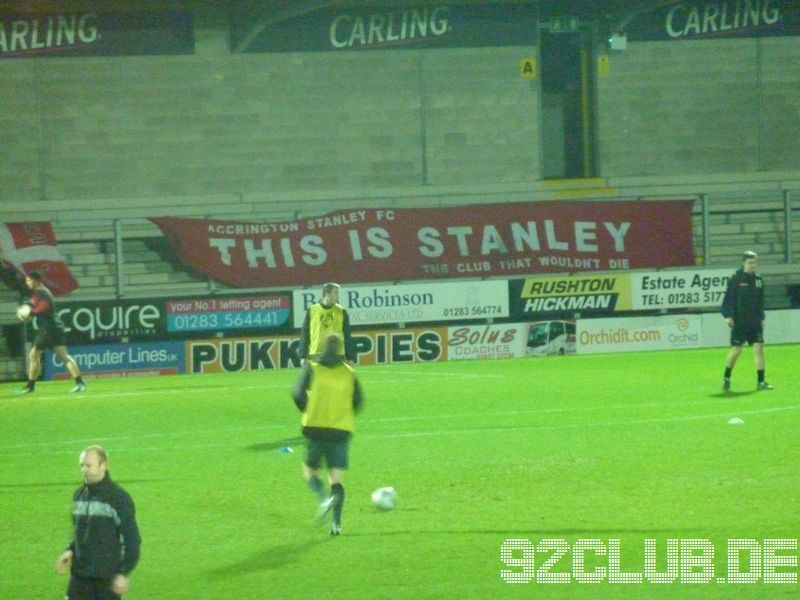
(568, 93)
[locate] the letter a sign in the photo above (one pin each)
(527, 68)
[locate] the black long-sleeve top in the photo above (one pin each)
(744, 297)
(107, 541)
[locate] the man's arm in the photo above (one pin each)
(129, 532)
(358, 396)
(761, 315)
(64, 561)
(302, 349)
(120, 584)
(300, 390)
(39, 303)
(729, 301)
(349, 351)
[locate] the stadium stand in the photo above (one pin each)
(744, 212)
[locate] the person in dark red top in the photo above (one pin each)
(50, 334)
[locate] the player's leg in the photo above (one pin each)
(34, 369)
(730, 362)
(314, 482)
(758, 350)
(72, 367)
(733, 356)
(314, 454)
(337, 464)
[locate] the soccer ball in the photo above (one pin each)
(23, 312)
(385, 498)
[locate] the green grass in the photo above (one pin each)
(622, 447)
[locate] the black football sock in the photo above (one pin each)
(31, 384)
(316, 486)
(728, 371)
(337, 489)
(79, 380)
(760, 375)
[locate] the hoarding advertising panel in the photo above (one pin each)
(691, 288)
(411, 303)
(226, 313)
(120, 360)
(635, 334)
(605, 293)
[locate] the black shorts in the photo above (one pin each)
(747, 332)
(48, 338)
(334, 453)
(90, 588)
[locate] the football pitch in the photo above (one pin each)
(579, 450)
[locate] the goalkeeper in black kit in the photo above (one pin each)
(743, 310)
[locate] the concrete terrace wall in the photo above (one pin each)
(87, 141)
(217, 123)
(699, 107)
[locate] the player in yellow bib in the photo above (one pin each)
(328, 394)
(322, 319)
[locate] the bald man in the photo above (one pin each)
(105, 546)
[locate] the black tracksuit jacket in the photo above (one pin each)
(106, 541)
(744, 298)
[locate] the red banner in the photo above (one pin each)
(364, 245)
(27, 247)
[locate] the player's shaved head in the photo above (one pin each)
(329, 288)
(94, 464)
(99, 451)
(333, 344)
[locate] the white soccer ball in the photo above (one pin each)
(385, 498)
(23, 312)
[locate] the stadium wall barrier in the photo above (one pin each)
(672, 332)
(120, 360)
(381, 305)
(608, 293)
(534, 298)
(146, 319)
(423, 344)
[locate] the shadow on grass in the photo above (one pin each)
(268, 559)
(264, 446)
(730, 394)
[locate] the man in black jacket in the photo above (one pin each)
(105, 546)
(743, 310)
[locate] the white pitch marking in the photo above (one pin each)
(395, 434)
(436, 374)
(51, 394)
(427, 417)
(546, 410)
(426, 433)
